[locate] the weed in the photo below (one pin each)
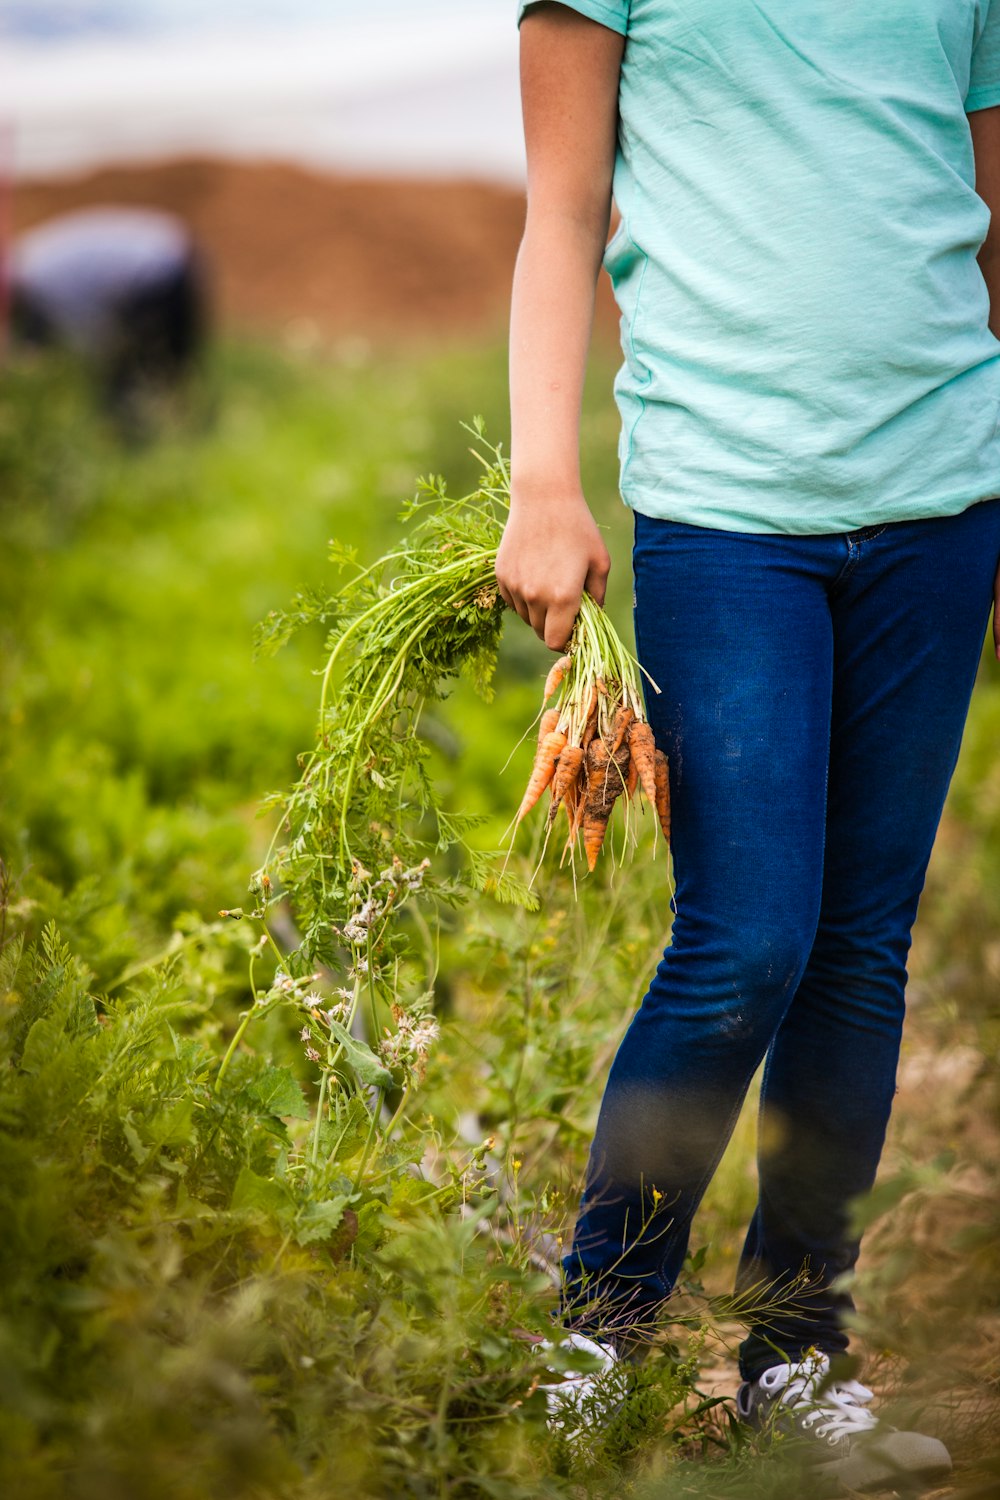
(285, 1273)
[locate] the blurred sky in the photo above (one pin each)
(426, 87)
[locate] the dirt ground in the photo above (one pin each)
(375, 257)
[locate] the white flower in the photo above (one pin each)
(355, 931)
(409, 1045)
(423, 1036)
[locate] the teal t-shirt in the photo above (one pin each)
(804, 323)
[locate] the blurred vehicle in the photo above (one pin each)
(125, 289)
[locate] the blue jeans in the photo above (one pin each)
(813, 695)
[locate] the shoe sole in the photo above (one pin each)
(864, 1473)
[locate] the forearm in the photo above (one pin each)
(552, 312)
(552, 549)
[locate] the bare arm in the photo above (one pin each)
(552, 548)
(985, 125)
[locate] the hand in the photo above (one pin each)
(550, 552)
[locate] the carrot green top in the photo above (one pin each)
(804, 322)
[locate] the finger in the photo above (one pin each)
(596, 584)
(507, 594)
(519, 605)
(559, 624)
(536, 619)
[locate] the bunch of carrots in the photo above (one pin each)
(401, 628)
(595, 745)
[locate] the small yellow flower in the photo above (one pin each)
(657, 1195)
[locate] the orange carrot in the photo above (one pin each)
(598, 756)
(575, 824)
(557, 672)
(631, 777)
(581, 792)
(594, 828)
(590, 718)
(541, 773)
(619, 728)
(589, 729)
(605, 782)
(663, 794)
(605, 772)
(573, 803)
(565, 776)
(643, 748)
(548, 722)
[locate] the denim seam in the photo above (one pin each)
(850, 564)
(855, 542)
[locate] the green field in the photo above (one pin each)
(202, 1292)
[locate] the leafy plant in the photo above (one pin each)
(202, 1294)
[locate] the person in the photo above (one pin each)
(810, 444)
(125, 289)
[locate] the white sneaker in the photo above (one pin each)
(849, 1443)
(583, 1399)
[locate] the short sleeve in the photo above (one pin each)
(611, 13)
(984, 79)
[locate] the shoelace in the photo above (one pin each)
(839, 1410)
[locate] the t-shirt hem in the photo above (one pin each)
(791, 523)
(590, 8)
(982, 98)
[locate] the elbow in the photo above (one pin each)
(580, 231)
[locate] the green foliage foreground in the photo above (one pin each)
(226, 1271)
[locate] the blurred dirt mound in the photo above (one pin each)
(377, 257)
